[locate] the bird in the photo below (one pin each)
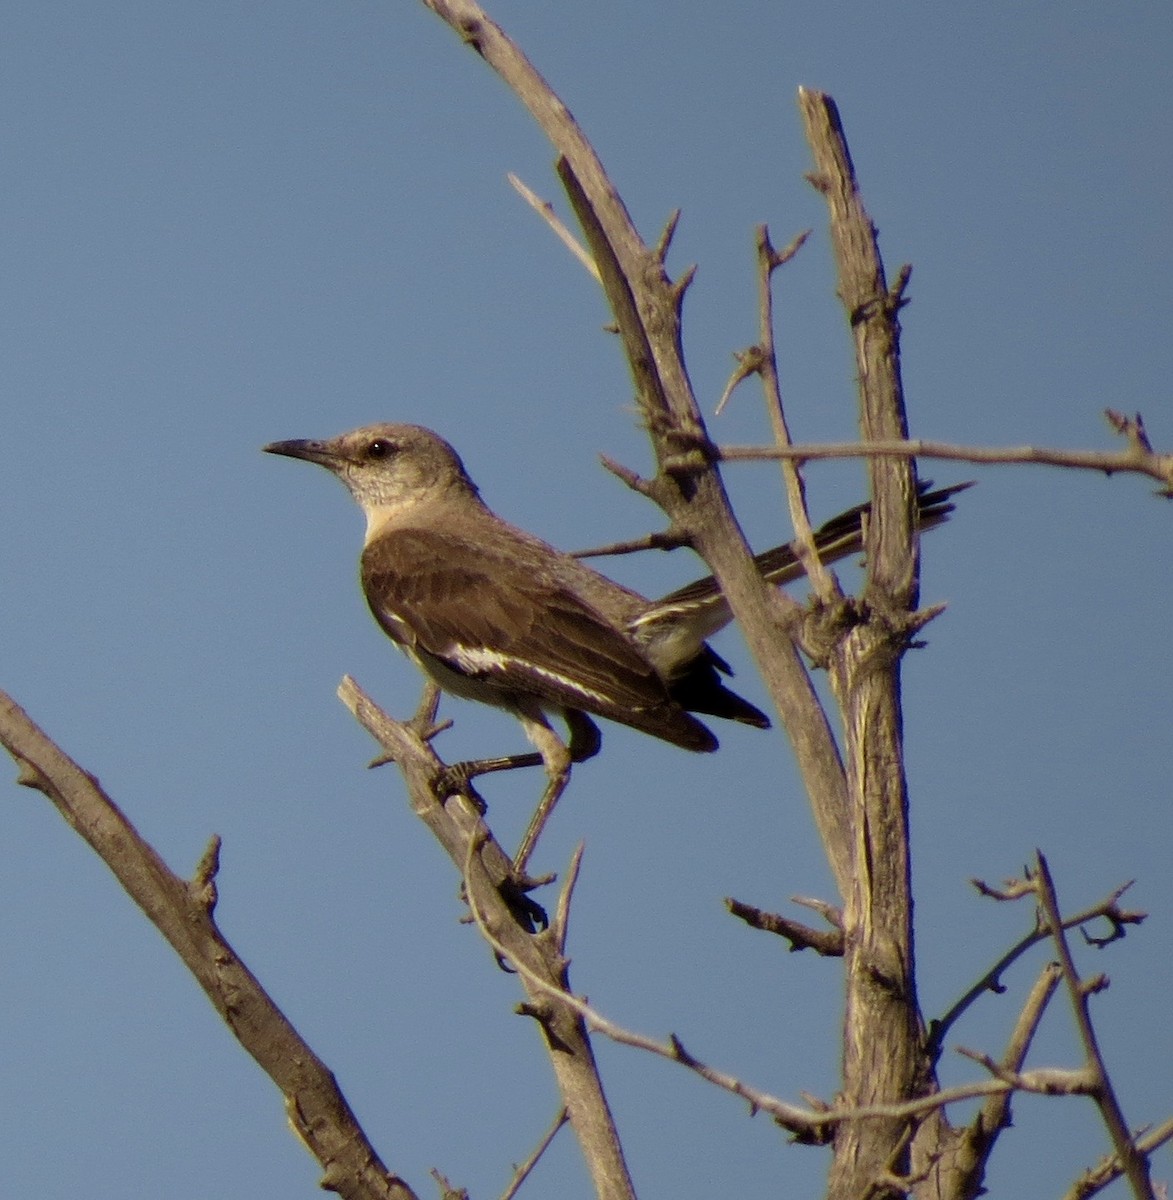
(492, 613)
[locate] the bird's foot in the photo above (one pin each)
(456, 780)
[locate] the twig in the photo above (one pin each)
(546, 211)
(1109, 909)
(652, 541)
(806, 1124)
(977, 1140)
(826, 942)
(769, 260)
(1049, 1081)
(521, 1173)
(560, 927)
(1109, 1169)
(1138, 459)
(1133, 1162)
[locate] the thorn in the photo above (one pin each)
(661, 250)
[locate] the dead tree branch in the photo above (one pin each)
(545, 210)
(491, 891)
(1107, 1171)
(182, 912)
(1108, 909)
(882, 1058)
(826, 942)
(975, 1142)
(1138, 459)
(809, 1125)
(646, 305)
(1133, 1163)
(768, 261)
(521, 1172)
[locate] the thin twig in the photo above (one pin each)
(803, 1122)
(1109, 1169)
(521, 1172)
(1138, 459)
(560, 926)
(769, 259)
(1109, 909)
(546, 211)
(1135, 1166)
(978, 1139)
(667, 540)
(826, 942)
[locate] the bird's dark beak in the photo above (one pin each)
(322, 453)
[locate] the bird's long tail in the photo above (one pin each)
(701, 608)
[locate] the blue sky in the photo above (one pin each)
(222, 225)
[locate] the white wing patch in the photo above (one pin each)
(475, 659)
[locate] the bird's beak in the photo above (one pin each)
(323, 453)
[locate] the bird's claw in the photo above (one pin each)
(456, 780)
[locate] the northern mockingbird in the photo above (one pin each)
(494, 614)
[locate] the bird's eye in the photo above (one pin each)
(380, 448)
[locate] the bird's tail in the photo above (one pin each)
(701, 609)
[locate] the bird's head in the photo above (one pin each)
(387, 468)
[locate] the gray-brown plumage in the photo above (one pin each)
(494, 614)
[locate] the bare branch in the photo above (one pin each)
(1138, 459)
(828, 943)
(495, 897)
(976, 1142)
(652, 541)
(1109, 909)
(1048, 1081)
(546, 211)
(808, 1125)
(769, 260)
(1133, 1162)
(1109, 1169)
(182, 912)
(883, 1060)
(521, 1173)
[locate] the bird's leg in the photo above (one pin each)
(486, 766)
(585, 741)
(456, 778)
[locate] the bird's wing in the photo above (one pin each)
(497, 615)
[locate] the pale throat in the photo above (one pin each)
(382, 516)
(404, 510)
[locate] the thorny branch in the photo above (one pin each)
(1108, 909)
(182, 912)
(521, 1172)
(1139, 458)
(1110, 1168)
(882, 1060)
(545, 210)
(764, 358)
(1133, 1162)
(825, 942)
(491, 891)
(975, 1143)
(646, 305)
(808, 1125)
